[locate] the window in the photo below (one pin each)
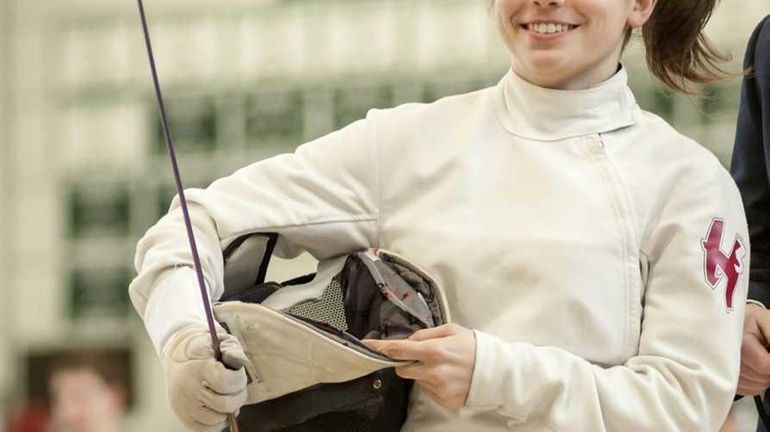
(275, 116)
(437, 90)
(193, 125)
(352, 103)
(166, 194)
(98, 210)
(99, 292)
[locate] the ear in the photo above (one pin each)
(640, 12)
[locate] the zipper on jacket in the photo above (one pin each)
(626, 223)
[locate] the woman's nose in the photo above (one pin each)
(545, 3)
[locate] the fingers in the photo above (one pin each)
(752, 361)
(747, 373)
(763, 323)
(435, 332)
(208, 418)
(189, 344)
(232, 354)
(222, 404)
(223, 380)
(755, 359)
(202, 391)
(223, 392)
(754, 355)
(414, 347)
(445, 360)
(747, 387)
(752, 382)
(418, 372)
(399, 349)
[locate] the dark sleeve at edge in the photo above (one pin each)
(751, 158)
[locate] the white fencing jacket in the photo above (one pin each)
(601, 257)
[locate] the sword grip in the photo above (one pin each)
(232, 422)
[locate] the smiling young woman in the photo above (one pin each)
(586, 49)
(594, 259)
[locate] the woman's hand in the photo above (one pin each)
(755, 359)
(445, 358)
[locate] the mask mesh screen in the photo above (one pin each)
(329, 308)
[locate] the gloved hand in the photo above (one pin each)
(202, 391)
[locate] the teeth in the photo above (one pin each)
(544, 28)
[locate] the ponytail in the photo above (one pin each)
(677, 50)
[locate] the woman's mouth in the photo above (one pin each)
(548, 28)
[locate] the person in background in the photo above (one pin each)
(86, 396)
(751, 170)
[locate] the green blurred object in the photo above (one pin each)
(99, 292)
(98, 210)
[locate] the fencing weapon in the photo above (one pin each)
(185, 212)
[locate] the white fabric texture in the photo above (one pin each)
(566, 227)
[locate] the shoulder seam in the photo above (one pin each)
(654, 220)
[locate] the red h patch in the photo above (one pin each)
(720, 266)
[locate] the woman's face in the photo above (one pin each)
(567, 44)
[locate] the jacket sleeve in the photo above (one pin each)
(323, 198)
(751, 158)
(684, 375)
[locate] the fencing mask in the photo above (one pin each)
(303, 336)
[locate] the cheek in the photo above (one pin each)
(608, 18)
(503, 13)
(505, 9)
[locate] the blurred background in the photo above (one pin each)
(83, 168)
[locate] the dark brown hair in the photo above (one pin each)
(677, 50)
(107, 366)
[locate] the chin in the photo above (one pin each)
(546, 72)
(546, 60)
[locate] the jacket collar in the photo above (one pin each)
(544, 114)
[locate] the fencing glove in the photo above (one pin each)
(202, 391)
